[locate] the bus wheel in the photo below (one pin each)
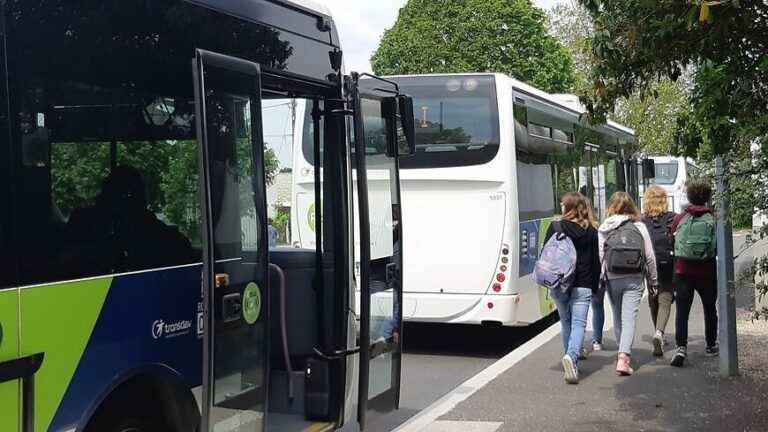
(134, 425)
(128, 425)
(130, 409)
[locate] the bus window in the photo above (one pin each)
(611, 175)
(456, 121)
(666, 174)
(302, 204)
(121, 180)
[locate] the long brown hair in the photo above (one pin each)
(655, 201)
(577, 209)
(622, 204)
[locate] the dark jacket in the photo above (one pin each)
(665, 219)
(587, 273)
(685, 267)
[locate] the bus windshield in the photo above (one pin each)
(456, 120)
(666, 174)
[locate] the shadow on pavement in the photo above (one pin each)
(468, 340)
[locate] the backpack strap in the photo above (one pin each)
(557, 226)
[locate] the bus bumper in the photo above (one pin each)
(462, 308)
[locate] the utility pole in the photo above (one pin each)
(729, 358)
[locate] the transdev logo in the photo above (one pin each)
(161, 329)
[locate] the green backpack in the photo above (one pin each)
(695, 238)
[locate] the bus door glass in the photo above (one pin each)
(228, 99)
(380, 245)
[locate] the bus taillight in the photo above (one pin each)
(496, 287)
(501, 277)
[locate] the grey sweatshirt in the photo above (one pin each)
(611, 224)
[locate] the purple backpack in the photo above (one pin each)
(557, 264)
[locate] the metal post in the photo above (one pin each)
(729, 359)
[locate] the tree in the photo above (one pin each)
(637, 42)
(652, 114)
(455, 36)
(571, 25)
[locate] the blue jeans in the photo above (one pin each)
(598, 316)
(573, 308)
(625, 294)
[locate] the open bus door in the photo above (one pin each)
(382, 121)
(228, 99)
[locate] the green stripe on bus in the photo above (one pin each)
(546, 304)
(58, 321)
(9, 350)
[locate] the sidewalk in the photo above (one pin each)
(531, 395)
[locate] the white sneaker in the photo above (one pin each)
(658, 344)
(570, 369)
(597, 346)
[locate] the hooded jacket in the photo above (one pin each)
(685, 267)
(611, 224)
(587, 272)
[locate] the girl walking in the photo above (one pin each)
(695, 268)
(578, 227)
(659, 220)
(627, 257)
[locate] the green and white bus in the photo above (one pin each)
(137, 288)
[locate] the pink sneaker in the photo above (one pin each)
(622, 366)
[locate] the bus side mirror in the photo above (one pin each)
(649, 168)
(407, 142)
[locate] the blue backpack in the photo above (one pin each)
(557, 264)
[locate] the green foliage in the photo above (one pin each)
(169, 168)
(281, 222)
(638, 42)
(653, 114)
(456, 36)
(571, 25)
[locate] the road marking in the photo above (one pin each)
(462, 426)
(426, 420)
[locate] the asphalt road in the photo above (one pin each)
(439, 357)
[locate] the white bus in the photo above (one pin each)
(493, 157)
(671, 174)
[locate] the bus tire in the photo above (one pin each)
(132, 425)
(129, 409)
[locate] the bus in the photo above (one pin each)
(493, 157)
(671, 174)
(138, 291)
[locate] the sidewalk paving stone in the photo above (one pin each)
(532, 396)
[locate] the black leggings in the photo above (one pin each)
(706, 286)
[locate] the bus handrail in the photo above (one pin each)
(24, 369)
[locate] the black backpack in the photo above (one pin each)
(625, 250)
(663, 246)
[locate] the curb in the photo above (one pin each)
(443, 405)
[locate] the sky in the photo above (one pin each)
(361, 25)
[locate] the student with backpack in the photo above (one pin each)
(695, 268)
(569, 266)
(659, 220)
(627, 257)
